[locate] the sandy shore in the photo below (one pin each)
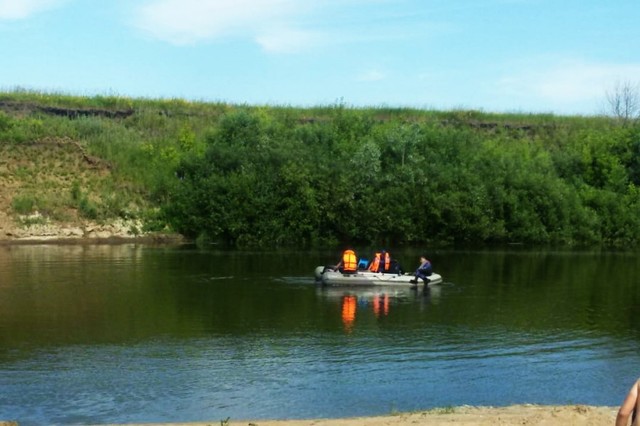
(478, 416)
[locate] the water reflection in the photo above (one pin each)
(349, 306)
(377, 303)
(381, 305)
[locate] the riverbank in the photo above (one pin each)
(80, 232)
(464, 415)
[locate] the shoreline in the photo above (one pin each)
(523, 414)
(81, 232)
(110, 240)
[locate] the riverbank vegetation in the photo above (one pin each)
(279, 176)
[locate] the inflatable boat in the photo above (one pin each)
(327, 276)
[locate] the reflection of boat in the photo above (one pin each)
(369, 293)
(365, 278)
(349, 306)
(356, 301)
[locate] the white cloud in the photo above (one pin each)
(284, 40)
(576, 82)
(193, 21)
(566, 82)
(21, 9)
(371, 75)
(278, 26)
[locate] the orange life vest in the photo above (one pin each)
(349, 261)
(375, 264)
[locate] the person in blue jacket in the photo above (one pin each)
(424, 270)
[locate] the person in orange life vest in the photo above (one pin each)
(349, 262)
(424, 270)
(381, 262)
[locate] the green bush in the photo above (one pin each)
(271, 176)
(24, 204)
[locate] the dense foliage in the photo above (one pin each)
(273, 176)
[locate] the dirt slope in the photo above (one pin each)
(37, 184)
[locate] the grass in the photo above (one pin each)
(442, 410)
(52, 177)
(433, 411)
(99, 167)
(24, 204)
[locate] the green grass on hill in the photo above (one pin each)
(279, 175)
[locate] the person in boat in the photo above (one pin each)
(381, 262)
(349, 262)
(629, 407)
(424, 270)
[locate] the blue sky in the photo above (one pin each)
(549, 56)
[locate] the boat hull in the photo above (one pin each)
(366, 278)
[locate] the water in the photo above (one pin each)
(133, 333)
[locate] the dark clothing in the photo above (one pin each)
(424, 270)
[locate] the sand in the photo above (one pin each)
(466, 416)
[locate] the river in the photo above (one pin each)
(140, 333)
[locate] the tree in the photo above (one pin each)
(623, 101)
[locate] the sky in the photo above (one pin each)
(505, 56)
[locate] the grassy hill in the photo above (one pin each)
(52, 185)
(257, 175)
